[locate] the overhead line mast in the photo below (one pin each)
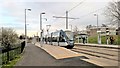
(67, 15)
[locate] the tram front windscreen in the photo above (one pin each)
(69, 35)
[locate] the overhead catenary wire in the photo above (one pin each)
(88, 14)
(73, 8)
(114, 24)
(85, 14)
(67, 14)
(76, 6)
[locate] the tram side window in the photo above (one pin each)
(54, 39)
(62, 39)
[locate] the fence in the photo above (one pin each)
(9, 54)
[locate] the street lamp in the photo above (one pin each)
(97, 20)
(99, 38)
(47, 28)
(107, 35)
(26, 27)
(41, 33)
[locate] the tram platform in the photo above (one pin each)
(58, 52)
(99, 45)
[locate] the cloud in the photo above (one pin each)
(13, 13)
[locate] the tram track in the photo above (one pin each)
(94, 53)
(98, 49)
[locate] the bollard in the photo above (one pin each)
(22, 46)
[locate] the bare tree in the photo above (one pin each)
(75, 30)
(113, 12)
(88, 26)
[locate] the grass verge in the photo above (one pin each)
(11, 63)
(93, 39)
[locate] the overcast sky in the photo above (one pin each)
(12, 14)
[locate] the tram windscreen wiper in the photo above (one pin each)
(70, 40)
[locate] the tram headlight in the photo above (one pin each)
(70, 43)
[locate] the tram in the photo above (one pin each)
(61, 38)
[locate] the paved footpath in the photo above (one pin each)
(35, 56)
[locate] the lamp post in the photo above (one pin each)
(99, 38)
(26, 27)
(107, 35)
(47, 27)
(41, 30)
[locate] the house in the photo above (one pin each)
(103, 30)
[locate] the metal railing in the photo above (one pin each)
(9, 54)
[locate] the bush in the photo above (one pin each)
(92, 39)
(9, 37)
